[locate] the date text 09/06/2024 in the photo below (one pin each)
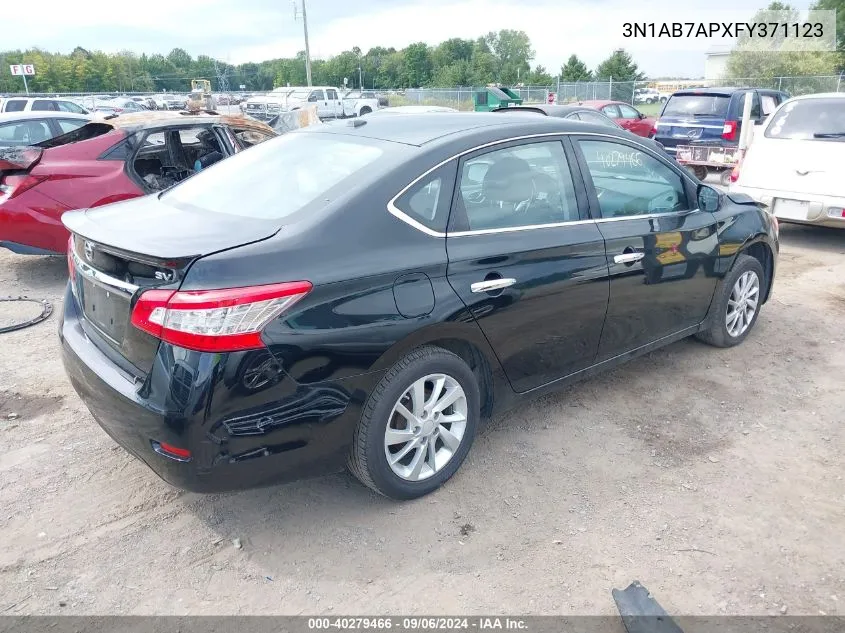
(417, 623)
(799, 30)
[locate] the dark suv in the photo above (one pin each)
(711, 116)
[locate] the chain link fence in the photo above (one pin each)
(636, 93)
(633, 92)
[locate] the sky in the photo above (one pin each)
(254, 30)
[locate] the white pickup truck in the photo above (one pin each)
(330, 104)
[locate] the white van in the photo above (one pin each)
(43, 104)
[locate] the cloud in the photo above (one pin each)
(254, 30)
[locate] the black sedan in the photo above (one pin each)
(576, 112)
(365, 293)
(571, 112)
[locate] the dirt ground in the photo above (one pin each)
(715, 477)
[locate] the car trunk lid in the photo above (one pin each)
(123, 249)
(810, 167)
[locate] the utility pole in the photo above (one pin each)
(307, 48)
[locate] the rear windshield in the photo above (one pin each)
(276, 178)
(817, 119)
(697, 105)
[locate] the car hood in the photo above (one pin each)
(153, 227)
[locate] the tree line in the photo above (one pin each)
(503, 57)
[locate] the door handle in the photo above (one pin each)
(490, 285)
(628, 258)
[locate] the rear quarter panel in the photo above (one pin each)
(78, 178)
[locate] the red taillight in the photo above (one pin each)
(224, 320)
(654, 129)
(15, 184)
(729, 130)
(735, 173)
(174, 452)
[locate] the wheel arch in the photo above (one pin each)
(467, 342)
(760, 249)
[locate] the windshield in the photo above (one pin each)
(816, 119)
(276, 178)
(697, 105)
(300, 94)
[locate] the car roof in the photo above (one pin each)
(26, 98)
(421, 129)
(149, 120)
(726, 90)
(42, 114)
(554, 110)
(598, 103)
(820, 95)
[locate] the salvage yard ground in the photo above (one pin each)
(715, 477)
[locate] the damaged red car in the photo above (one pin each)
(112, 159)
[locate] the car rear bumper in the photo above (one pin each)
(196, 401)
(821, 210)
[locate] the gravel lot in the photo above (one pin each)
(715, 477)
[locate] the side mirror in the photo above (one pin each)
(709, 199)
(641, 115)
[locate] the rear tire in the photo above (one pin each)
(737, 304)
(365, 110)
(699, 171)
(405, 457)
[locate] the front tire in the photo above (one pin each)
(417, 426)
(737, 304)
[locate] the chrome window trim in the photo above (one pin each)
(102, 279)
(404, 217)
(512, 229)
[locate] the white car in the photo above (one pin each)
(29, 128)
(40, 104)
(646, 95)
(794, 163)
(358, 103)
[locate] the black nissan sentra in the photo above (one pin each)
(365, 293)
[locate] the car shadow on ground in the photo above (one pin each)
(812, 237)
(341, 500)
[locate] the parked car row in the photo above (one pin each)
(331, 102)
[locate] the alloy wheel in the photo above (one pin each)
(426, 427)
(742, 304)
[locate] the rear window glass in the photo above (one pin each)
(275, 179)
(15, 105)
(819, 119)
(697, 105)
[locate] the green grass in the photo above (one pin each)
(649, 109)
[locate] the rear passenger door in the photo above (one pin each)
(526, 260)
(661, 250)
